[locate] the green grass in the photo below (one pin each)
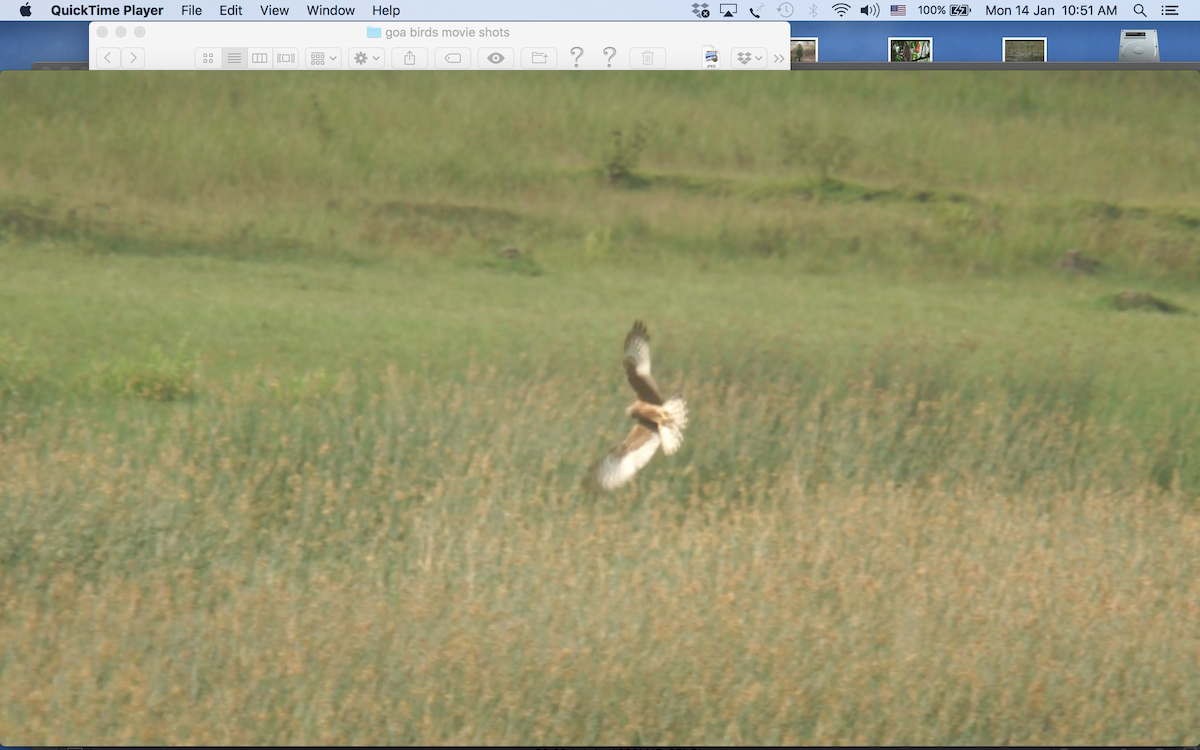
(895, 171)
(289, 453)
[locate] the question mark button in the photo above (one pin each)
(539, 58)
(610, 53)
(577, 52)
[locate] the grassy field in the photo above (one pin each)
(289, 453)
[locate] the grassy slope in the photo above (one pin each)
(962, 171)
(898, 408)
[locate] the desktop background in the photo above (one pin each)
(300, 375)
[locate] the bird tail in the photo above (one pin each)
(671, 429)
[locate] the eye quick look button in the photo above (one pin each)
(495, 57)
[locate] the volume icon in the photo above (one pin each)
(870, 10)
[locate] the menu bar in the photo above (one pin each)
(618, 10)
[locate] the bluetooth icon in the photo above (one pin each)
(813, 11)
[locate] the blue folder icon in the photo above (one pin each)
(374, 32)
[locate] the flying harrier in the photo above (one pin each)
(658, 422)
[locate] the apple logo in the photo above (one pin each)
(25, 11)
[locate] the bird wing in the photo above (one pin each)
(622, 462)
(637, 364)
(670, 430)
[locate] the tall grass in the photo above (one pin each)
(393, 560)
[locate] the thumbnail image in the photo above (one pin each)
(804, 50)
(1024, 49)
(910, 50)
(650, 409)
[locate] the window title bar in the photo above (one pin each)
(426, 45)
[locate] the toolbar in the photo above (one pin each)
(167, 45)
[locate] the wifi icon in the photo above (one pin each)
(841, 8)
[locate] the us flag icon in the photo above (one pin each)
(897, 10)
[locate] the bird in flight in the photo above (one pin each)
(658, 422)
